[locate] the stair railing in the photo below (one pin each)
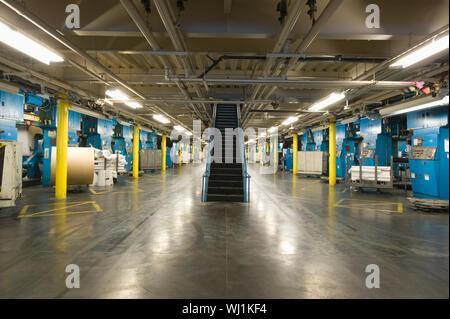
(205, 178)
(246, 177)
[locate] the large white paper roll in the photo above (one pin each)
(80, 165)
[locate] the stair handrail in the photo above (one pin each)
(246, 177)
(205, 177)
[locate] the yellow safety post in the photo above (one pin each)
(295, 151)
(136, 151)
(62, 139)
(332, 148)
(164, 152)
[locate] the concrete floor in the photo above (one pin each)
(297, 238)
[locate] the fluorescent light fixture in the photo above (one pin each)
(188, 133)
(442, 102)
(117, 95)
(428, 50)
(272, 129)
(161, 119)
(179, 128)
(330, 100)
(134, 105)
(87, 112)
(109, 102)
(120, 96)
(27, 46)
(350, 120)
(290, 120)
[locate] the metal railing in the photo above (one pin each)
(205, 177)
(246, 177)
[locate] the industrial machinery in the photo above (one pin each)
(429, 157)
(375, 169)
(308, 143)
(98, 132)
(74, 128)
(347, 144)
(11, 112)
(10, 173)
(148, 140)
(376, 143)
(287, 158)
(123, 143)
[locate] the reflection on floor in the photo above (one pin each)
(298, 238)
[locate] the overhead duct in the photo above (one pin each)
(350, 120)
(406, 105)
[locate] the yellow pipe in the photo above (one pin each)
(295, 151)
(332, 149)
(164, 152)
(62, 139)
(136, 151)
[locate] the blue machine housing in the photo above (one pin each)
(47, 122)
(347, 144)
(99, 132)
(11, 112)
(377, 142)
(308, 143)
(288, 159)
(74, 127)
(123, 143)
(429, 157)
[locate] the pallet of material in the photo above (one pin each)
(368, 173)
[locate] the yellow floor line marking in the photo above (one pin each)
(350, 205)
(56, 211)
(112, 192)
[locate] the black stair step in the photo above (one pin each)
(225, 165)
(226, 124)
(225, 183)
(225, 177)
(230, 171)
(225, 190)
(225, 198)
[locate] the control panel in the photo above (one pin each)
(368, 153)
(426, 153)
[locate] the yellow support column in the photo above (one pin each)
(295, 153)
(193, 153)
(136, 151)
(62, 139)
(332, 149)
(164, 152)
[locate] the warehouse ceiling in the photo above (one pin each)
(178, 63)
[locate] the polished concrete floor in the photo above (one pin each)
(298, 238)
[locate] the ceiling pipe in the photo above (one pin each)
(295, 11)
(142, 26)
(65, 86)
(326, 14)
(167, 16)
(30, 17)
(305, 83)
(387, 63)
(43, 77)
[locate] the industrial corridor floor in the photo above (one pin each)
(153, 238)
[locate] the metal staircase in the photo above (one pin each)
(227, 181)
